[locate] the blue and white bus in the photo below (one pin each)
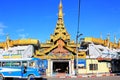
(29, 68)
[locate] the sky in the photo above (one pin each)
(36, 19)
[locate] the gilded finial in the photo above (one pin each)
(60, 14)
(60, 5)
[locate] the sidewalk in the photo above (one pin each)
(63, 75)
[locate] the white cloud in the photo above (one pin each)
(23, 36)
(2, 26)
(21, 33)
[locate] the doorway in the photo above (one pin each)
(61, 67)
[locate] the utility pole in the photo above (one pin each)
(77, 52)
(77, 37)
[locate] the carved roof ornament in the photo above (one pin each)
(60, 48)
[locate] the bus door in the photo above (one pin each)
(24, 68)
(30, 69)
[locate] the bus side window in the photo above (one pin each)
(32, 64)
(15, 64)
(3, 64)
(24, 63)
(6, 64)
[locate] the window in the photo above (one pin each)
(15, 64)
(32, 64)
(24, 63)
(20, 51)
(10, 51)
(6, 64)
(93, 66)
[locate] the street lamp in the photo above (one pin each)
(77, 36)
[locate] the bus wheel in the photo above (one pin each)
(31, 77)
(1, 77)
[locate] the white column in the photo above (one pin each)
(51, 69)
(70, 67)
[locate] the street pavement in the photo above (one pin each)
(92, 78)
(85, 78)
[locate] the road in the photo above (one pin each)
(94, 78)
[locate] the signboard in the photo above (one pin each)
(81, 62)
(7, 55)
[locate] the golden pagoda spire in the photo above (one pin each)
(60, 14)
(60, 30)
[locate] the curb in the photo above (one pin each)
(84, 76)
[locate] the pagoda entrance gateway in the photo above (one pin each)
(59, 50)
(61, 67)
